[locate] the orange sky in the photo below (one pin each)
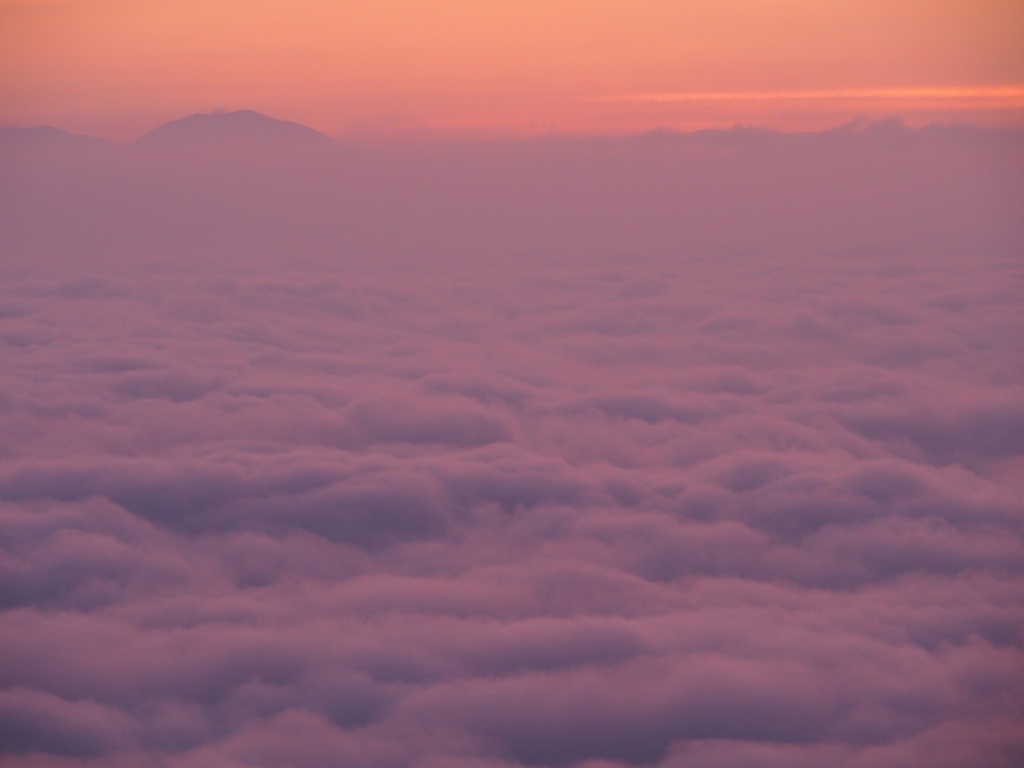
(392, 67)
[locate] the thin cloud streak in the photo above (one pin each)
(1009, 96)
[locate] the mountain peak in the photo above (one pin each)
(241, 127)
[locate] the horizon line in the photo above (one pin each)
(428, 134)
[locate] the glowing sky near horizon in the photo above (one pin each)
(118, 67)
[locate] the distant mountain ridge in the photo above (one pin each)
(247, 126)
(279, 192)
(46, 136)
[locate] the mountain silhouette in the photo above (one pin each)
(244, 127)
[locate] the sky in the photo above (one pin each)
(383, 68)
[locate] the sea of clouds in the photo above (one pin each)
(733, 509)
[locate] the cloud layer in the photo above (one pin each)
(719, 509)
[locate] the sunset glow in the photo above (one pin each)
(533, 66)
